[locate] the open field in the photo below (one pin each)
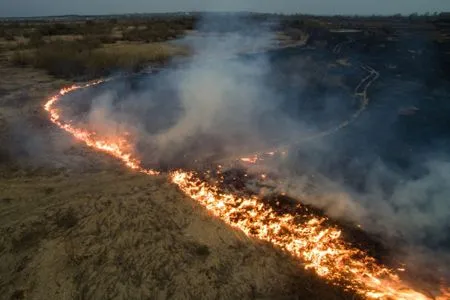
(77, 224)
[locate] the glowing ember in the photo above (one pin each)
(445, 294)
(319, 246)
(252, 159)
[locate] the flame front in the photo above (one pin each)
(318, 246)
(118, 147)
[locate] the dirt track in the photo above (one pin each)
(75, 224)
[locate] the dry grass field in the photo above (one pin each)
(75, 224)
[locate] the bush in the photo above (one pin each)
(22, 58)
(69, 59)
(150, 35)
(59, 29)
(105, 39)
(64, 59)
(9, 37)
(60, 58)
(36, 40)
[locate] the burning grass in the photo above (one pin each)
(311, 240)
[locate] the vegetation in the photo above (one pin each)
(92, 48)
(73, 46)
(87, 57)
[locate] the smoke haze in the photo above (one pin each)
(222, 103)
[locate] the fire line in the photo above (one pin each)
(318, 246)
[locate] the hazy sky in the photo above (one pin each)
(15, 8)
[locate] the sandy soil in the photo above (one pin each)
(74, 224)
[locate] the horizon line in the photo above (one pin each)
(224, 12)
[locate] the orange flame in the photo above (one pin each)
(118, 147)
(319, 246)
(445, 294)
(252, 159)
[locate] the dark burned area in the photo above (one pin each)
(236, 180)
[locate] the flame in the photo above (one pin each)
(251, 159)
(319, 246)
(445, 293)
(118, 147)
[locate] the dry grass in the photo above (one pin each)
(6, 45)
(75, 225)
(64, 37)
(148, 51)
(132, 55)
(90, 58)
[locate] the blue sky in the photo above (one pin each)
(15, 8)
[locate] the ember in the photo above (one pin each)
(252, 159)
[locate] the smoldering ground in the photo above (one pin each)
(223, 103)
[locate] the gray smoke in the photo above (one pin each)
(221, 103)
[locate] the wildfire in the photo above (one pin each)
(118, 147)
(445, 294)
(319, 246)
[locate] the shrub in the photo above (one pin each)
(9, 37)
(22, 58)
(36, 40)
(87, 57)
(60, 58)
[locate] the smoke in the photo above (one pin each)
(232, 97)
(412, 208)
(214, 104)
(219, 95)
(418, 207)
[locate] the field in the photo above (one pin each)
(76, 224)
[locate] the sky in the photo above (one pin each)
(27, 8)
